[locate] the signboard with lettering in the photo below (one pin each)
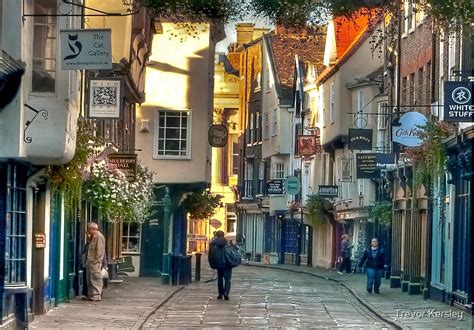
(406, 131)
(40, 241)
(458, 104)
(308, 145)
(276, 187)
(105, 99)
(86, 49)
(360, 139)
(328, 191)
(292, 185)
(217, 136)
(366, 165)
(126, 163)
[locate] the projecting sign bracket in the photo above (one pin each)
(42, 112)
(133, 10)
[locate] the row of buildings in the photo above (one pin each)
(140, 88)
(326, 144)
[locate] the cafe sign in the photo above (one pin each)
(458, 104)
(217, 136)
(126, 163)
(89, 49)
(406, 132)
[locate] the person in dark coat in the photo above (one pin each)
(374, 260)
(217, 261)
(346, 255)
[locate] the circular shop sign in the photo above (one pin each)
(215, 223)
(217, 136)
(292, 185)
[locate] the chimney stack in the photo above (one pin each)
(244, 32)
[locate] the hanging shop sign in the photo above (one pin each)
(86, 49)
(126, 163)
(385, 159)
(217, 136)
(292, 185)
(328, 191)
(366, 165)
(406, 131)
(276, 187)
(458, 104)
(360, 139)
(215, 223)
(105, 99)
(308, 145)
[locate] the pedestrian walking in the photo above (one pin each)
(374, 260)
(217, 261)
(345, 255)
(94, 262)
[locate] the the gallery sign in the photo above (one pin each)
(458, 104)
(360, 139)
(89, 49)
(406, 132)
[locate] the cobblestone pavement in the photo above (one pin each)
(407, 311)
(266, 298)
(260, 298)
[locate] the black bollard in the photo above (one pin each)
(197, 275)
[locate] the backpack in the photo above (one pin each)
(232, 256)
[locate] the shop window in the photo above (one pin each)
(131, 237)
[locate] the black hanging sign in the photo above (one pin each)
(276, 187)
(328, 191)
(360, 139)
(458, 104)
(127, 163)
(217, 135)
(366, 164)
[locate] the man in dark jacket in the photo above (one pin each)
(346, 255)
(217, 261)
(374, 264)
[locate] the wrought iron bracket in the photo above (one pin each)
(135, 9)
(43, 112)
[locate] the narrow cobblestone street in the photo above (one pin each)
(260, 297)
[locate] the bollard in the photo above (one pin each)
(197, 275)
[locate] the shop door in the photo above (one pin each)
(38, 253)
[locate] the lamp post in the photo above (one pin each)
(165, 273)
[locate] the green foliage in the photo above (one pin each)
(298, 13)
(382, 212)
(316, 210)
(429, 158)
(67, 180)
(201, 205)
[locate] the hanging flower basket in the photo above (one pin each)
(201, 205)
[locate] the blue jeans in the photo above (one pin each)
(374, 277)
(224, 275)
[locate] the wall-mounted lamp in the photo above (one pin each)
(145, 126)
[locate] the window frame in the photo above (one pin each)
(332, 101)
(266, 127)
(126, 235)
(156, 138)
(248, 180)
(54, 48)
(274, 122)
(278, 170)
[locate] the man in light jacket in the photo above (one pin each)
(95, 258)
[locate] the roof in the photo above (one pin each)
(283, 45)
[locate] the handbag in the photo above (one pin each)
(104, 273)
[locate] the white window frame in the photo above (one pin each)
(278, 170)
(332, 97)
(53, 49)
(274, 122)
(382, 127)
(156, 155)
(257, 128)
(409, 15)
(266, 126)
(261, 177)
(248, 182)
(251, 127)
(451, 53)
(126, 235)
